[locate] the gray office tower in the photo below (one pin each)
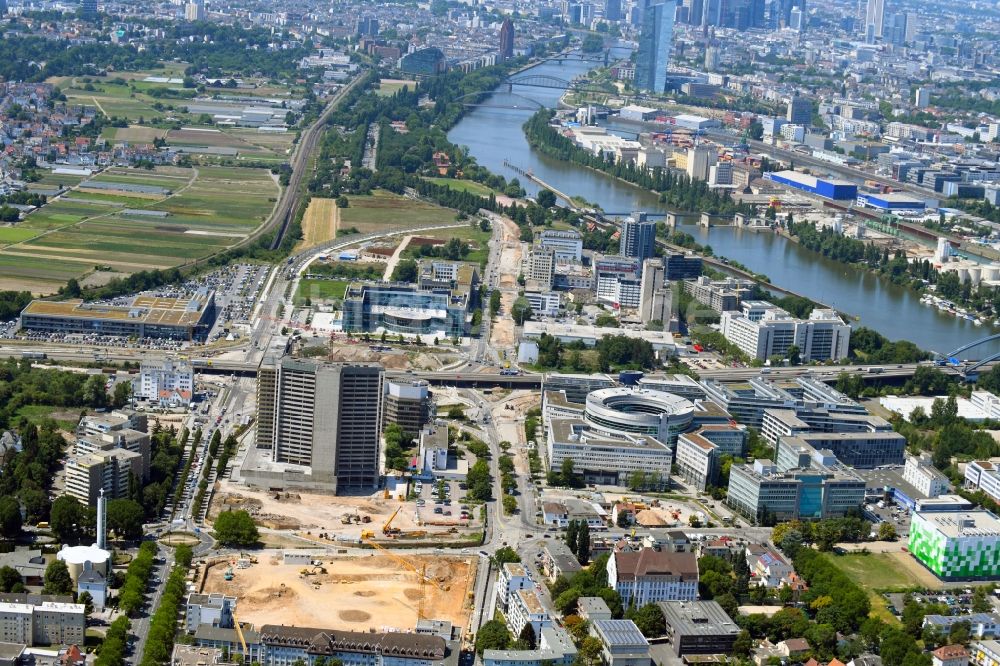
(656, 33)
(638, 237)
(321, 422)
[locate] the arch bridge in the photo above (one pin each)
(970, 372)
(499, 101)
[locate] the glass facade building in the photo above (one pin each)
(655, 36)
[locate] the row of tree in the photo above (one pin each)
(163, 625)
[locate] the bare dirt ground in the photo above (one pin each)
(307, 511)
(424, 358)
(502, 331)
(356, 593)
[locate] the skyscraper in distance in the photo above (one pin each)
(613, 10)
(656, 33)
(875, 18)
(88, 7)
(507, 39)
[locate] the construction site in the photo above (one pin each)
(348, 519)
(378, 590)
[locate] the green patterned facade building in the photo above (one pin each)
(957, 545)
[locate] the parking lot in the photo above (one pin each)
(440, 503)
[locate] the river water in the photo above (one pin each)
(494, 135)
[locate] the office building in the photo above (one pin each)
(748, 404)
(762, 493)
(622, 644)
(799, 111)
(115, 471)
(648, 576)
(321, 422)
(88, 8)
(957, 545)
(699, 453)
(576, 387)
(682, 266)
(655, 37)
(506, 39)
(655, 302)
(638, 237)
(619, 280)
(407, 403)
(567, 245)
(194, 11)
(430, 61)
(860, 450)
(874, 19)
(408, 310)
(719, 295)
(810, 420)
(168, 383)
(763, 331)
(922, 98)
(539, 268)
(920, 473)
(367, 26)
(593, 608)
(145, 316)
(698, 627)
(34, 620)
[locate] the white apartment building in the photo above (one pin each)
(987, 403)
(524, 607)
(42, 623)
(919, 472)
(649, 576)
(214, 609)
(762, 330)
(511, 578)
(167, 382)
(109, 470)
(545, 303)
(984, 475)
(697, 461)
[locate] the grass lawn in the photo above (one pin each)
(388, 87)
(385, 211)
(320, 290)
(882, 572)
(64, 417)
(15, 235)
(476, 237)
(462, 185)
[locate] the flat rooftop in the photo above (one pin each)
(155, 310)
(698, 618)
(963, 524)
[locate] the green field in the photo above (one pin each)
(384, 211)
(476, 237)
(462, 185)
(883, 572)
(64, 418)
(206, 214)
(320, 290)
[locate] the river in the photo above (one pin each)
(494, 135)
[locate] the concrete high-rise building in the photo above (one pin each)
(695, 11)
(111, 471)
(875, 18)
(407, 404)
(367, 26)
(323, 417)
(800, 111)
(638, 237)
(194, 11)
(613, 10)
(656, 33)
(654, 299)
(700, 159)
(507, 39)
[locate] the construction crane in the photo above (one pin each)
(239, 634)
(387, 528)
(421, 575)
